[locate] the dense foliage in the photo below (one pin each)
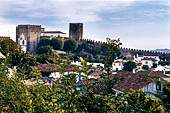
(129, 66)
(44, 50)
(7, 46)
(45, 46)
(57, 43)
(164, 63)
(70, 45)
(66, 95)
(145, 67)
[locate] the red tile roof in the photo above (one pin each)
(128, 80)
(152, 59)
(54, 68)
(47, 68)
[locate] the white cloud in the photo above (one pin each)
(65, 10)
(79, 10)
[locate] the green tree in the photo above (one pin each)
(22, 61)
(145, 67)
(70, 45)
(129, 66)
(57, 43)
(44, 42)
(8, 46)
(155, 65)
(45, 50)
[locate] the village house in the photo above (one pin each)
(165, 69)
(128, 81)
(50, 70)
(139, 58)
(142, 80)
(88, 63)
(148, 60)
(53, 34)
(117, 65)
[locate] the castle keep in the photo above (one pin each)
(76, 31)
(28, 36)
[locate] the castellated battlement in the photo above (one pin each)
(126, 51)
(29, 25)
(4, 37)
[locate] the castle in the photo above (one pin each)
(28, 37)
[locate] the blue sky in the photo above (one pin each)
(142, 24)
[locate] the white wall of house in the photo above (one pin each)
(152, 88)
(147, 62)
(54, 34)
(164, 69)
(58, 75)
(139, 58)
(117, 66)
(154, 57)
(88, 63)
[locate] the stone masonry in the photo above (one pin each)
(32, 34)
(76, 31)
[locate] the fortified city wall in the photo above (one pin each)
(126, 51)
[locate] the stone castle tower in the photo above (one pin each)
(76, 31)
(31, 34)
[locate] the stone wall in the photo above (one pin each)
(32, 34)
(128, 52)
(76, 31)
(4, 37)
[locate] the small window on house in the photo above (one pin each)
(158, 87)
(23, 42)
(146, 62)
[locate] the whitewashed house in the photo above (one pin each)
(117, 65)
(53, 72)
(148, 60)
(164, 69)
(54, 34)
(140, 81)
(88, 63)
(128, 81)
